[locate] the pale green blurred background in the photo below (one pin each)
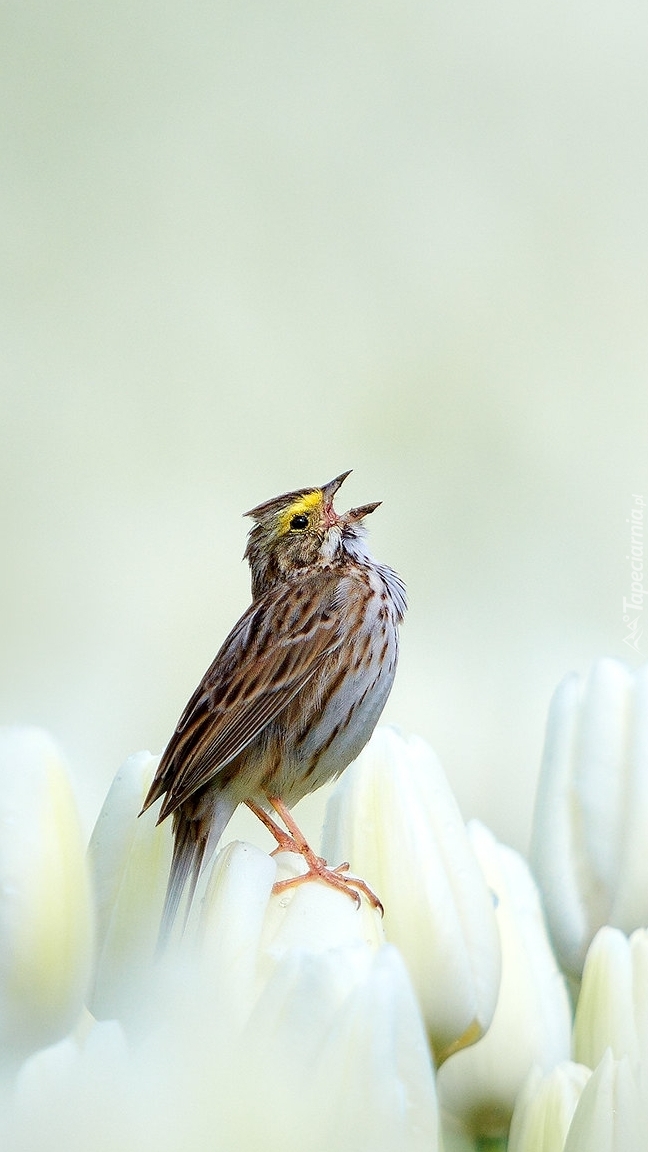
(249, 245)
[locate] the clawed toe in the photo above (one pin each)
(350, 885)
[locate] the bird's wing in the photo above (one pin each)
(270, 655)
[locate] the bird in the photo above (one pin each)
(293, 694)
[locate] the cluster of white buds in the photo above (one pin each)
(294, 1020)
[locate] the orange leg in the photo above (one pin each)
(294, 841)
(285, 842)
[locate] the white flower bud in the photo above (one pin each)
(45, 904)
(297, 995)
(129, 860)
(609, 1114)
(394, 817)
(325, 1048)
(591, 816)
(612, 1008)
(545, 1107)
(337, 1052)
(532, 1021)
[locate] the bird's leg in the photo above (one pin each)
(291, 841)
(318, 869)
(285, 842)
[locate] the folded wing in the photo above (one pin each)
(278, 645)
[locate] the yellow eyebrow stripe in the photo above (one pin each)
(301, 507)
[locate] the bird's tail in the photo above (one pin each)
(195, 836)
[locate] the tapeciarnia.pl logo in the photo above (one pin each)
(634, 606)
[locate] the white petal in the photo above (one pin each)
(230, 925)
(591, 815)
(293, 1025)
(532, 1021)
(612, 1009)
(639, 957)
(599, 775)
(45, 904)
(314, 915)
(629, 895)
(377, 1053)
(605, 1009)
(129, 859)
(394, 817)
(608, 1117)
(336, 1050)
(545, 1107)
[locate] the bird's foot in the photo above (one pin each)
(294, 840)
(351, 885)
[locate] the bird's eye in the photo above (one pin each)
(299, 522)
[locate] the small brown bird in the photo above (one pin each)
(295, 691)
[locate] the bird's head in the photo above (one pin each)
(298, 529)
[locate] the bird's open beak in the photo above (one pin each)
(332, 487)
(356, 514)
(329, 515)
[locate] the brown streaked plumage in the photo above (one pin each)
(295, 691)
